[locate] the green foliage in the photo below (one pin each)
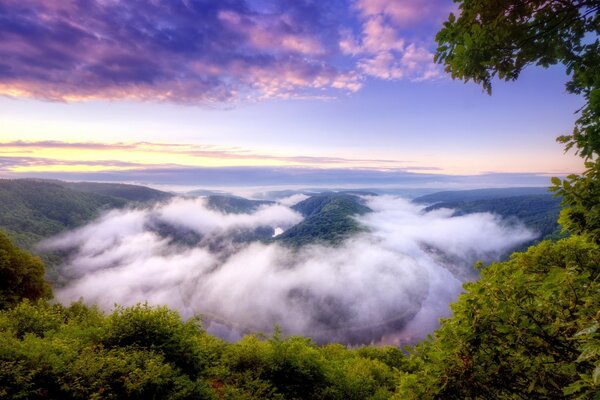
(296, 368)
(159, 330)
(517, 332)
(581, 195)
(21, 275)
(234, 204)
(499, 38)
(48, 351)
(327, 218)
(53, 352)
(34, 210)
(129, 193)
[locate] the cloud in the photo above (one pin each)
(384, 48)
(9, 163)
(390, 283)
(57, 144)
(191, 151)
(197, 51)
(293, 199)
(406, 13)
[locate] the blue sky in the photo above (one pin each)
(311, 86)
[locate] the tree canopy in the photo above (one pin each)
(498, 39)
(528, 329)
(21, 275)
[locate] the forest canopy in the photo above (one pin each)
(527, 329)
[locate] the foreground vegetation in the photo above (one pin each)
(527, 329)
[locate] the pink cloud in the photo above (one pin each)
(386, 51)
(201, 51)
(406, 13)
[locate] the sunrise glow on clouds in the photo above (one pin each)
(208, 51)
(107, 86)
(24, 156)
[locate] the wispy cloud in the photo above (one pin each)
(67, 145)
(202, 51)
(382, 46)
(11, 163)
(172, 154)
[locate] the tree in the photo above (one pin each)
(499, 38)
(525, 330)
(21, 275)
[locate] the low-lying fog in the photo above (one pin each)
(389, 284)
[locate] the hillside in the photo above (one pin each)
(33, 210)
(327, 218)
(234, 204)
(123, 191)
(537, 212)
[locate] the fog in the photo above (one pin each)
(389, 284)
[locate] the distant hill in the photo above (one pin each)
(33, 210)
(234, 204)
(123, 191)
(538, 212)
(327, 218)
(479, 194)
(206, 192)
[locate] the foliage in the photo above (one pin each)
(327, 218)
(34, 210)
(499, 38)
(234, 204)
(129, 193)
(53, 352)
(50, 352)
(517, 332)
(21, 275)
(582, 196)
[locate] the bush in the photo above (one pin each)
(514, 332)
(21, 275)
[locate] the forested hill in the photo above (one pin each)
(479, 194)
(123, 191)
(234, 204)
(31, 210)
(328, 218)
(538, 212)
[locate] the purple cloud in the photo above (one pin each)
(203, 51)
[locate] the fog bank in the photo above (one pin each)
(390, 283)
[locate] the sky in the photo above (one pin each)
(199, 92)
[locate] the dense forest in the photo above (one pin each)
(31, 210)
(327, 218)
(528, 328)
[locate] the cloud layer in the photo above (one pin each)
(203, 51)
(389, 284)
